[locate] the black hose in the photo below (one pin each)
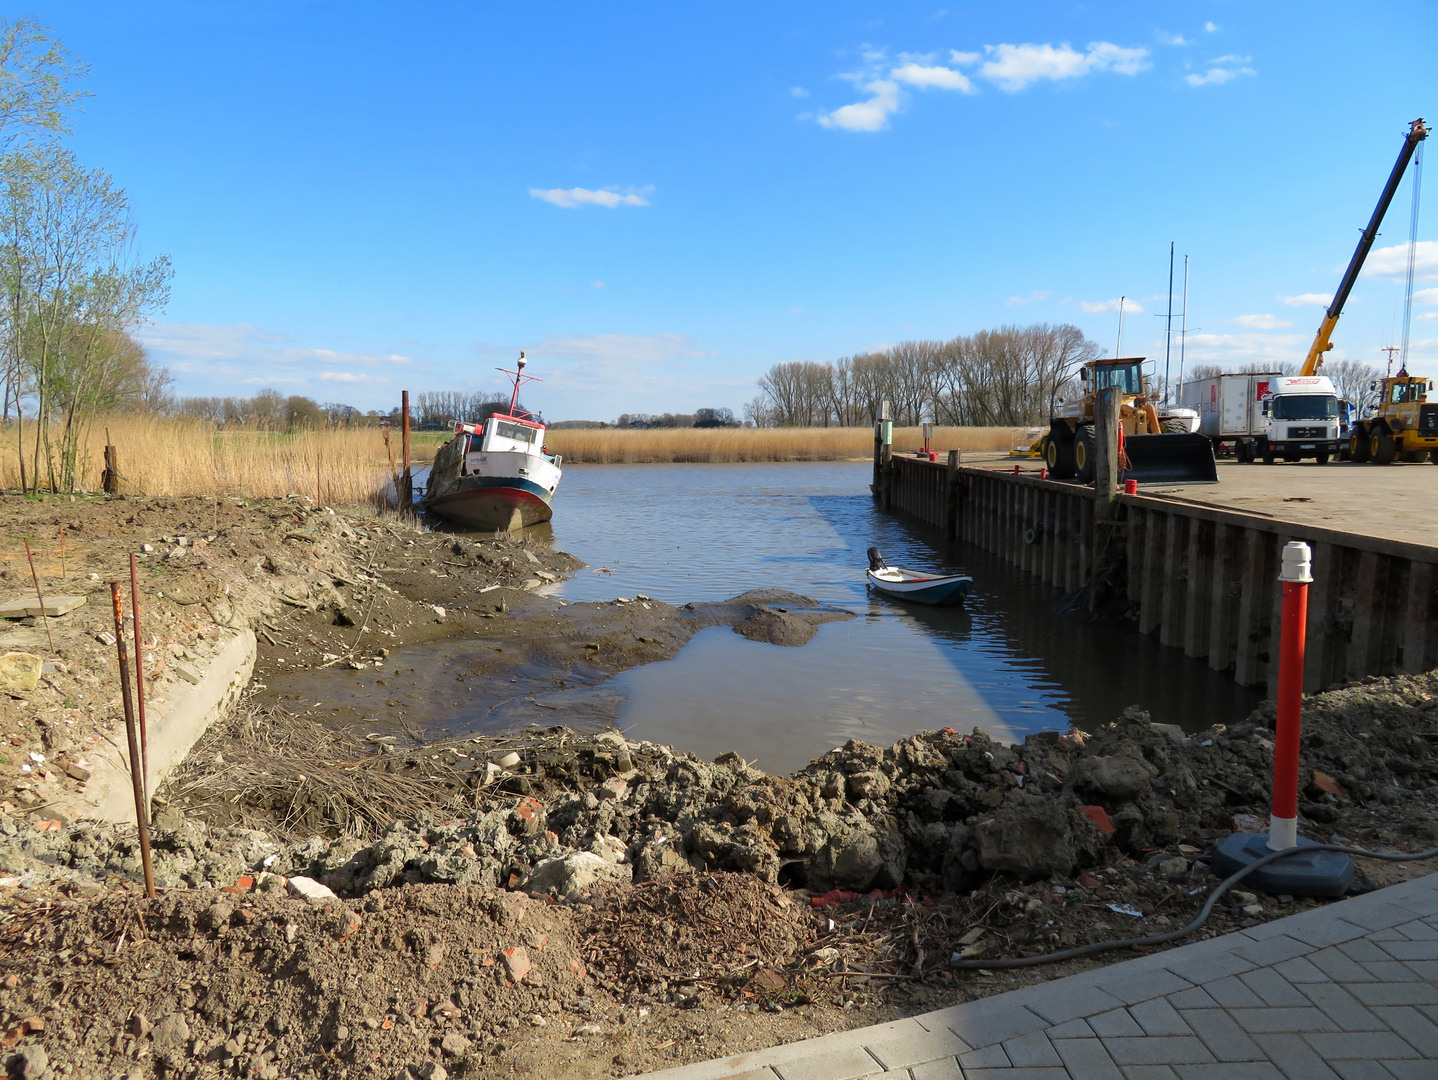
(1198, 920)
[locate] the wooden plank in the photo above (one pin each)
(1223, 593)
(1174, 591)
(1250, 663)
(1419, 639)
(1197, 601)
(1364, 639)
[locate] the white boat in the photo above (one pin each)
(496, 475)
(915, 585)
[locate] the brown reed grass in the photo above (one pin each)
(625, 446)
(345, 466)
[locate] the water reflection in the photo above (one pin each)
(1005, 661)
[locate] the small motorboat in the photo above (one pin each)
(914, 585)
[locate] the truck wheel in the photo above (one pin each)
(1084, 453)
(1242, 452)
(1382, 448)
(1266, 449)
(1321, 457)
(1059, 456)
(1358, 448)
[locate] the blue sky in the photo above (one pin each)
(659, 201)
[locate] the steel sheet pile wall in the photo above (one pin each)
(1201, 579)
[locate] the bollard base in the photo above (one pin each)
(1312, 873)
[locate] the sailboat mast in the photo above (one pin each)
(1168, 333)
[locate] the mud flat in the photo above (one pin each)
(343, 897)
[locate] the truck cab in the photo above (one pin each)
(1300, 419)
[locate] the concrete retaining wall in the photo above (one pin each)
(1202, 578)
(175, 725)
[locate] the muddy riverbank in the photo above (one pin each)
(562, 899)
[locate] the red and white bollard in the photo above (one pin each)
(1309, 870)
(1296, 575)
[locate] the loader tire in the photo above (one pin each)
(1358, 448)
(1059, 456)
(1085, 443)
(1382, 448)
(1433, 456)
(1174, 426)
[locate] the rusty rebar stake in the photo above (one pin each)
(62, 553)
(141, 818)
(39, 596)
(140, 676)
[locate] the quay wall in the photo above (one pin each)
(1199, 577)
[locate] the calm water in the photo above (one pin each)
(1004, 661)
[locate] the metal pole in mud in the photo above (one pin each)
(140, 674)
(117, 603)
(1296, 575)
(39, 596)
(407, 498)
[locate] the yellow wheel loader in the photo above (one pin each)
(1155, 451)
(1404, 427)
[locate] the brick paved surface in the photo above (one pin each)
(1348, 991)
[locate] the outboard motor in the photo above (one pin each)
(876, 560)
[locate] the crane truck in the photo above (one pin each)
(1404, 426)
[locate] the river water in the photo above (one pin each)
(1004, 661)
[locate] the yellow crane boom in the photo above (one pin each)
(1417, 132)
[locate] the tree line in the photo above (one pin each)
(1004, 377)
(72, 283)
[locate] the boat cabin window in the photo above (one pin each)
(1128, 378)
(518, 432)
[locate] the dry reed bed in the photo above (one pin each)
(606, 446)
(181, 456)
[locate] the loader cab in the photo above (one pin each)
(1408, 391)
(1127, 375)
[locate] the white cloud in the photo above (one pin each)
(1097, 307)
(1165, 38)
(1392, 262)
(1033, 297)
(596, 284)
(1220, 70)
(798, 91)
(569, 198)
(1014, 67)
(1211, 27)
(1247, 348)
(1308, 299)
(964, 58)
(934, 77)
(1426, 296)
(870, 115)
(350, 377)
(213, 360)
(645, 348)
(1261, 322)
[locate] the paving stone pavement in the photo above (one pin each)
(1348, 991)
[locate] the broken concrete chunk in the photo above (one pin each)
(565, 875)
(19, 672)
(54, 607)
(188, 673)
(311, 891)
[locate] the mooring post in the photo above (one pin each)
(406, 494)
(1105, 423)
(878, 456)
(951, 497)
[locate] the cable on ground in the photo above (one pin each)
(1198, 920)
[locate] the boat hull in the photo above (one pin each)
(499, 504)
(934, 591)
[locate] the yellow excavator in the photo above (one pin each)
(1404, 425)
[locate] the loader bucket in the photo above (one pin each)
(1176, 458)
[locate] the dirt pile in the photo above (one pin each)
(318, 586)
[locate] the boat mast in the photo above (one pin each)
(519, 379)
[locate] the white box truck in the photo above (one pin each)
(1268, 415)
